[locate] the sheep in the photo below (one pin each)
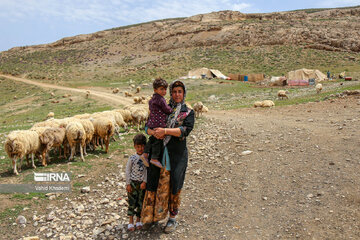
(52, 137)
(138, 89)
(138, 100)
(282, 94)
(139, 115)
(89, 130)
(258, 104)
(127, 94)
(52, 94)
(75, 133)
(197, 108)
(126, 114)
(265, 103)
(50, 115)
(318, 88)
(204, 109)
(48, 123)
(82, 116)
(103, 128)
(115, 90)
(21, 143)
(87, 94)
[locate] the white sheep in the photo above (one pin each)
(89, 130)
(50, 115)
(204, 109)
(75, 134)
(87, 94)
(126, 114)
(282, 94)
(138, 89)
(103, 128)
(137, 100)
(116, 90)
(265, 103)
(139, 114)
(19, 144)
(51, 137)
(318, 88)
(197, 108)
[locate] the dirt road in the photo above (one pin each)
(109, 97)
(298, 180)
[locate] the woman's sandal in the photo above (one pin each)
(130, 227)
(139, 225)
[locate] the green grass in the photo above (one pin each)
(11, 212)
(30, 196)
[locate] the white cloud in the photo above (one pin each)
(112, 11)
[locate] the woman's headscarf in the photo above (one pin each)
(175, 106)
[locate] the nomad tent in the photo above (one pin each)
(207, 73)
(306, 74)
(248, 77)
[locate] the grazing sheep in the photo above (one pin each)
(75, 133)
(197, 108)
(268, 103)
(139, 115)
(126, 114)
(318, 88)
(132, 85)
(116, 90)
(127, 94)
(265, 103)
(282, 94)
(138, 89)
(258, 104)
(82, 116)
(204, 109)
(103, 128)
(19, 144)
(138, 100)
(52, 94)
(51, 137)
(50, 115)
(87, 94)
(89, 130)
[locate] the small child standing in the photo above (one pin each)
(136, 174)
(159, 110)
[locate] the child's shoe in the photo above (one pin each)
(156, 163)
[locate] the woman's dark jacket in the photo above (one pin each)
(178, 155)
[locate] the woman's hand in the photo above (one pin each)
(143, 185)
(159, 133)
(150, 131)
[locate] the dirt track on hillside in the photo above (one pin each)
(301, 180)
(108, 97)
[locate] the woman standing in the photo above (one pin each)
(164, 186)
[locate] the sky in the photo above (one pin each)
(30, 22)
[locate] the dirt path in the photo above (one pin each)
(109, 97)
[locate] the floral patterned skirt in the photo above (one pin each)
(157, 204)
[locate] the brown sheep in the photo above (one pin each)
(75, 134)
(104, 128)
(51, 137)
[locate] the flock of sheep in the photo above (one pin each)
(80, 130)
(281, 95)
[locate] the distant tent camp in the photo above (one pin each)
(306, 74)
(255, 77)
(207, 73)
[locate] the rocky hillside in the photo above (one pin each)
(174, 46)
(335, 29)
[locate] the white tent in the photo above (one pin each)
(306, 74)
(208, 73)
